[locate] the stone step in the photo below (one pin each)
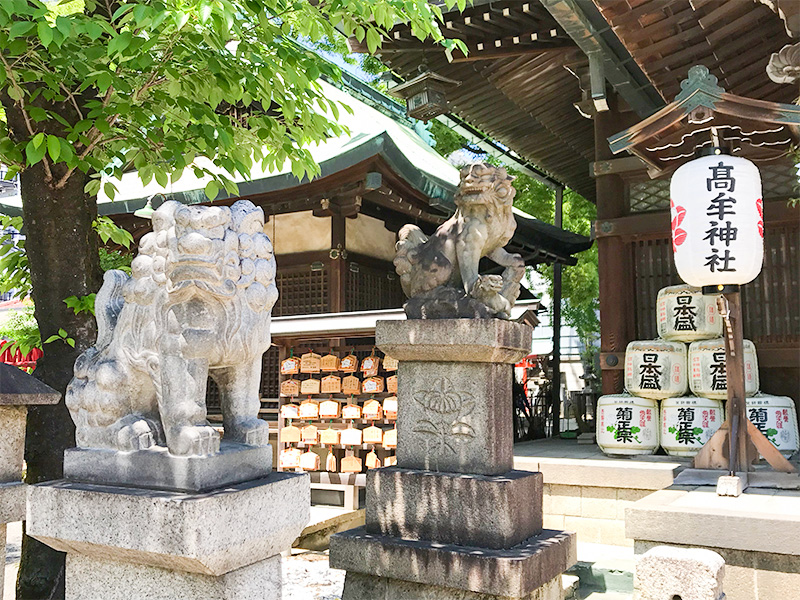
(604, 568)
(570, 584)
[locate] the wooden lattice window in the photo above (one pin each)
(370, 288)
(301, 292)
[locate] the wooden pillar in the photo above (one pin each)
(556, 363)
(338, 273)
(617, 291)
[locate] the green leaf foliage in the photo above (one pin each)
(164, 85)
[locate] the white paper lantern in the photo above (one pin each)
(684, 314)
(688, 423)
(717, 221)
(627, 425)
(656, 369)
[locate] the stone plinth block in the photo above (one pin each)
(515, 572)
(156, 468)
(12, 501)
(467, 510)
(90, 578)
(12, 442)
(212, 533)
(367, 587)
(457, 340)
(667, 572)
(455, 417)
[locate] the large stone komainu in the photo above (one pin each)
(198, 303)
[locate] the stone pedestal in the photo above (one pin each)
(126, 543)
(453, 520)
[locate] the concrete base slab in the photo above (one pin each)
(12, 501)
(515, 572)
(504, 510)
(156, 468)
(212, 533)
(89, 578)
(367, 587)
(754, 479)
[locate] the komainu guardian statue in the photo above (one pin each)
(198, 303)
(440, 274)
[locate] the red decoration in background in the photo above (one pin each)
(15, 358)
(760, 208)
(678, 234)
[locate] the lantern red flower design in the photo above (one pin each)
(717, 221)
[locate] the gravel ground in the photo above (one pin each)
(306, 576)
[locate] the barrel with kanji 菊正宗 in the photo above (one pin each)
(684, 314)
(627, 425)
(656, 369)
(776, 418)
(687, 423)
(708, 373)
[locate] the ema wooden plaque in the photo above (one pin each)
(330, 462)
(310, 363)
(370, 365)
(391, 384)
(349, 364)
(331, 384)
(308, 434)
(350, 437)
(389, 363)
(329, 363)
(290, 411)
(390, 438)
(373, 385)
(309, 410)
(351, 464)
(351, 411)
(310, 386)
(289, 458)
(390, 461)
(328, 409)
(351, 385)
(329, 437)
(372, 410)
(372, 461)
(372, 435)
(309, 461)
(290, 366)
(290, 387)
(290, 435)
(390, 407)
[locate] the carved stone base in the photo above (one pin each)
(156, 468)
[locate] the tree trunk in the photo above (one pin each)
(62, 250)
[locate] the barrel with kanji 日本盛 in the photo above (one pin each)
(656, 369)
(687, 423)
(627, 424)
(776, 418)
(684, 314)
(708, 376)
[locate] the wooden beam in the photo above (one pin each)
(617, 166)
(511, 51)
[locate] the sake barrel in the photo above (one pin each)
(776, 418)
(684, 314)
(627, 424)
(688, 422)
(708, 376)
(656, 369)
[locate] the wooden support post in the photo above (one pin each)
(556, 362)
(736, 444)
(338, 274)
(617, 287)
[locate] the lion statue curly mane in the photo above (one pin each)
(198, 303)
(440, 274)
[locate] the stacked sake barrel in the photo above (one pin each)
(688, 356)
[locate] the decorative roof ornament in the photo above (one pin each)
(784, 65)
(699, 78)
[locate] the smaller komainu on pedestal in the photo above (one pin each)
(198, 304)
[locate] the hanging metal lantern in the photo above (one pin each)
(717, 221)
(424, 95)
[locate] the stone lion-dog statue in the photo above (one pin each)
(198, 303)
(440, 274)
